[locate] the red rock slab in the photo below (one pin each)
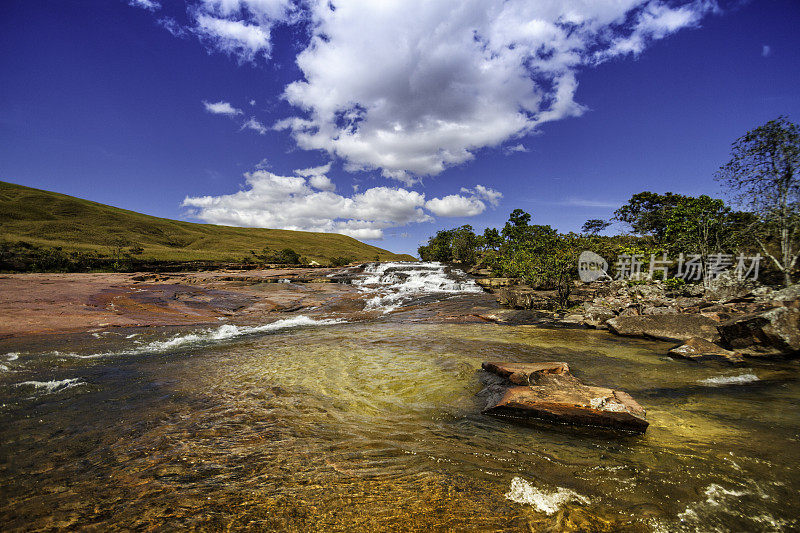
(520, 373)
(573, 404)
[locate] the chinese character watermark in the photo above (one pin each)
(691, 267)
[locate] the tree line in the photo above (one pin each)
(763, 217)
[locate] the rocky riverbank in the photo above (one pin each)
(728, 320)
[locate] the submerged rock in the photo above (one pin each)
(670, 327)
(698, 349)
(547, 391)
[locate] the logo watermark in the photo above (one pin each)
(688, 267)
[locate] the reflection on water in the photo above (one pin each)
(377, 425)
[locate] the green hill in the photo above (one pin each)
(47, 218)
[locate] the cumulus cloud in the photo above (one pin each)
(308, 203)
(221, 108)
(456, 205)
(150, 5)
(291, 202)
(323, 183)
(314, 171)
(411, 88)
(484, 193)
(255, 125)
(415, 87)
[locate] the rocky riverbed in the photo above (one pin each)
(727, 320)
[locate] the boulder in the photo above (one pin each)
(697, 349)
(548, 392)
(772, 332)
(728, 286)
(596, 316)
(670, 327)
(525, 298)
(788, 297)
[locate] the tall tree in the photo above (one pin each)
(763, 175)
(593, 226)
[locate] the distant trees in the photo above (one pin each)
(287, 256)
(593, 226)
(459, 245)
(763, 176)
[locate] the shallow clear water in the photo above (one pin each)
(376, 425)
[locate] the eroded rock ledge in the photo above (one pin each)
(549, 392)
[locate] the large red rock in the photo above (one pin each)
(547, 391)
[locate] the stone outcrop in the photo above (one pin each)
(548, 392)
(668, 327)
(697, 349)
(772, 332)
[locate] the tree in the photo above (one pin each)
(464, 245)
(492, 239)
(763, 175)
(646, 213)
(593, 226)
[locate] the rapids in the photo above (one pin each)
(327, 423)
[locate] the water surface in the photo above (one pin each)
(375, 425)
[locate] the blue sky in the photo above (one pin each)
(386, 120)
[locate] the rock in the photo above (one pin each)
(698, 349)
(525, 298)
(504, 370)
(788, 297)
(675, 327)
(493, 283)
(772, 332)
(516, 317)
(596, 316)
(547, 391)
(659, 310)
(728, 286)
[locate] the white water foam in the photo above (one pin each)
(12, 356)
(544, 502)
(52, 386)
(396, 283)
(729, 380)
(223, 332)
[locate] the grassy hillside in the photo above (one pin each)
(52, 219)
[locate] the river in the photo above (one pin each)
(326, 423)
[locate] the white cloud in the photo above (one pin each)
(456, 205)
(314, 171)
(414, 87)
(517, 148)
(263, 164)
(485, 193)
(252, 102)
(172, 26)
(322, 183)
(150, 5)
(766, 50)
(234, 37)
(255, 125)
(221, 108)
(309, 204)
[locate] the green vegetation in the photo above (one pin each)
(763, 175)
(42, 230)
(762, 172)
